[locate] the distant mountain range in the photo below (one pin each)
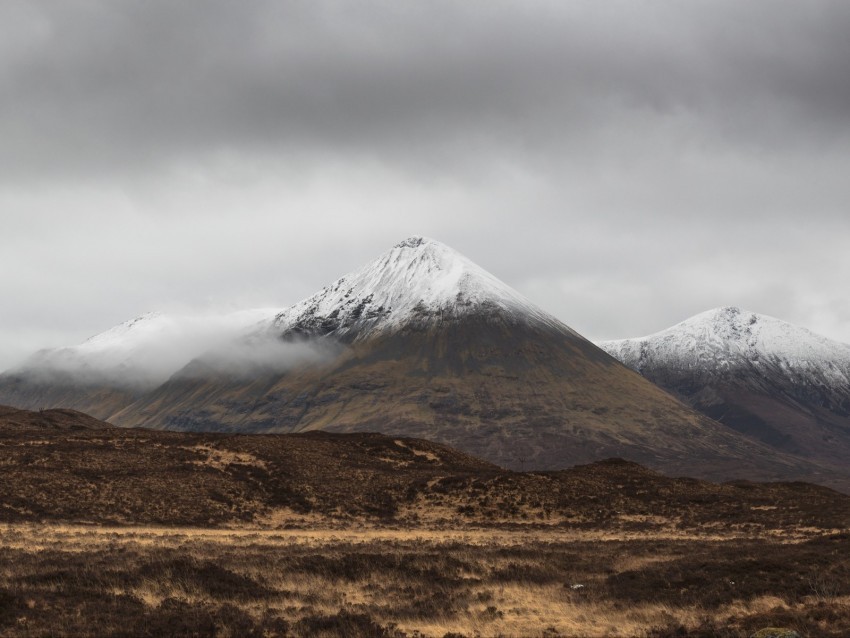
(422, 342)
(761, 376)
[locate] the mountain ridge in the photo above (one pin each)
(762, 376)
(732, 330)
(423, 342)
(461, 359)
(94, 473)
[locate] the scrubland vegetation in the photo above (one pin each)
(110, 532)
(95, 581)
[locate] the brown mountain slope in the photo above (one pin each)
(14, 420)
(763, 377)
(518, 393)
(777, 418)
(63, 466)
(35, 390)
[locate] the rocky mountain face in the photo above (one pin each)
(766, 378)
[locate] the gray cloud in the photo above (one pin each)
(625, 164)
(93, 86)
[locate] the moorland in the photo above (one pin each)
(133, 532)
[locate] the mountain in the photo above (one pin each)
(761, 376)
(112, 369)
(424, 343)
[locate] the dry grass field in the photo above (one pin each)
(111, 532)
(147, 581)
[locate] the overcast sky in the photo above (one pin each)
(623, 164)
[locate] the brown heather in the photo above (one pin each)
(113, 532)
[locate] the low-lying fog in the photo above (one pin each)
(147, 351)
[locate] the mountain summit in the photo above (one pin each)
(417, 280)
(428, 344)
(723, 336)
(759, 375)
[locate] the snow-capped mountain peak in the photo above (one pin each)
(417, 277)
(723, 337)
(759, 375)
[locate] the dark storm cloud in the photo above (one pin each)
(623, 163)
(87, 86)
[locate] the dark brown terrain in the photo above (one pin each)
(806, 420)
(111, 531)
(60, 465)
(37, 390)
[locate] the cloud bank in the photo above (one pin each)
(145, 352)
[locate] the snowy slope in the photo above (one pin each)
(725, 338)
(417, 279)
(761, 376)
